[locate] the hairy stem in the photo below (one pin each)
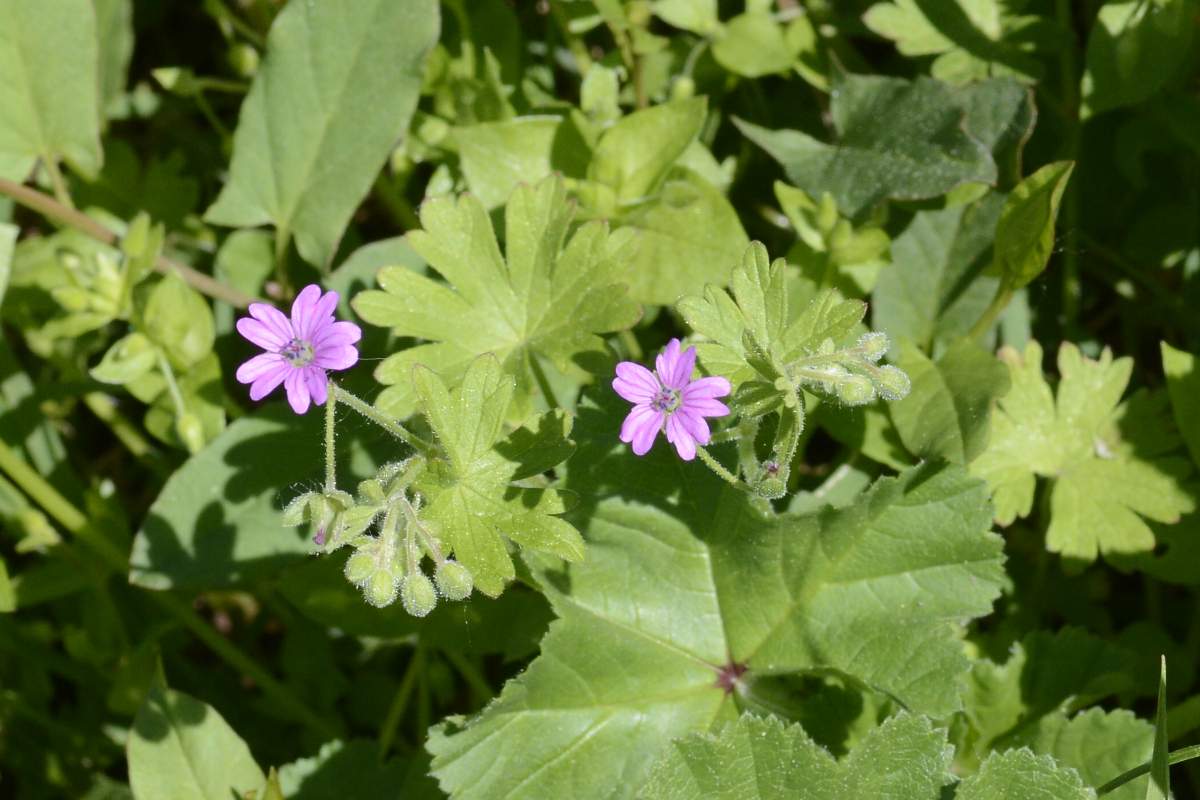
(1004, 295)
(330, 455)
(50, 208)
(387, 732)
(543, 382)
(382, 420)
(721, 472)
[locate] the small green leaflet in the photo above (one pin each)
(1111, 463)
(895, 139)
(547, 297)
(336, 90)
(474, 500)
(760, 758)
(1025, 231)
(1022, 775)
(1100, 745)
(632, 662)
(1183, 387)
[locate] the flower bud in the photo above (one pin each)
(683, 88)
(190, 431)
(371, 491)
(856, 390)
(874, 345)
(892, 382)
(295, 512)
(417, 594)
(454, 581)
(771, 488)
(380, 588)
(360, 567)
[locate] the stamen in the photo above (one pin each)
(298, 352)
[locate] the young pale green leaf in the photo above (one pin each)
(127, 359)
(633, 663)
(8, 241)
(336, 90)
(1023, 775)
(114, 33)
(1158, 787)
(934, 290)
(1183, 387)
(686, 237)
(634, 156)
(895, 139)
(1111, 463)
(947, 412)
(1099, 745)
(1025, 231)
(546, 298)
(182, 748)
(1134, 48)
(474, 503)
(8, 596)
(972, 39)
(752, 45)
(176, 318)
(218, 519)
(697, 16)
(761, 758)
(496, 157)
(50, 92)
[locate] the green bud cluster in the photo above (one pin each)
(852, 374)
(387, 562)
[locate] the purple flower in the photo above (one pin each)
(299, 350)
(668, 399)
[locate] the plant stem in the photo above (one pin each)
(474, 678)
(1176, 757)
(76, 524)
(387, 734)
(723, 473)
(330, 455)
(396, 204)
(379, 418)
(543, 382)
(172, 386)
(127, 433)
(630, 342)
(61, 193)
(1003, 297)
(283, 238)
(50, 208)
(579, 51)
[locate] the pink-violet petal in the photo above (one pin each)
(679, 368)
(335, 357)
(304, 310)
(694, 425)
(297, 391)
(705, 407)
(336, 333)
(317, 383)
(262, 363)
(269, 381)
(678, 436)
(640, 427)
(261, 334)
(707, 387)
(274, 319)
(635, 383)
(666, 362)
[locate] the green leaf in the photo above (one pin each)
(182, 748)
(218, 519)
(114, 29)
(697, 16)
(1158, 787)
(498, 156)
(178, 319)
(1099, 745)
(474, 501)
(633, 663)
(1022, 775)
(973, 39)
(8, 596)
(896, 139)
(336, 90)
(634, 156)
(946, 414)
(1025, 231)
(1183, 387)
(203, 400)
(753, 45)
(50, 94)
(127, 359)
(935, 288)
(761, 758)
(1110, 462)
(546, 298)
(687, 236)
(1135, 47)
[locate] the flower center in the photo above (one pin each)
(298, 352)
(665, 399)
